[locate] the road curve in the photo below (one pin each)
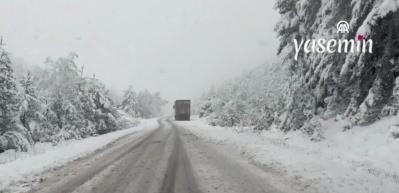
(155, 161)
(164, 160)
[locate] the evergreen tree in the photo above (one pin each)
(8, 93)
(12, 134)
(31, 106)
(129, 103)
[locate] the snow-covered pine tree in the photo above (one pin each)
(129, 103)
(11, 132)
(8, 93)
(96, 93)
(31, 106)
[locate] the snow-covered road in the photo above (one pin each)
(191, 156)
(20, 173)
(134, 164)
(167, 159)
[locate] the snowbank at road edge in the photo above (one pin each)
(362, 159)
(62, 153)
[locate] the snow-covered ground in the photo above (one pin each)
(47, 156)
(362, 159)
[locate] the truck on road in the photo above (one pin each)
(182, 110)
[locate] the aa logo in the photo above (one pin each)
(342, 27)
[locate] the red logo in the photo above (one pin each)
(360, 37)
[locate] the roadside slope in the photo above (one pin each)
(363, 159)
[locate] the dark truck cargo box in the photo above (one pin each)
(182, 110)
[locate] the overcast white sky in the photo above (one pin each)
(177, 47)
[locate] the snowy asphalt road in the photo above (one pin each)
(166, 160)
